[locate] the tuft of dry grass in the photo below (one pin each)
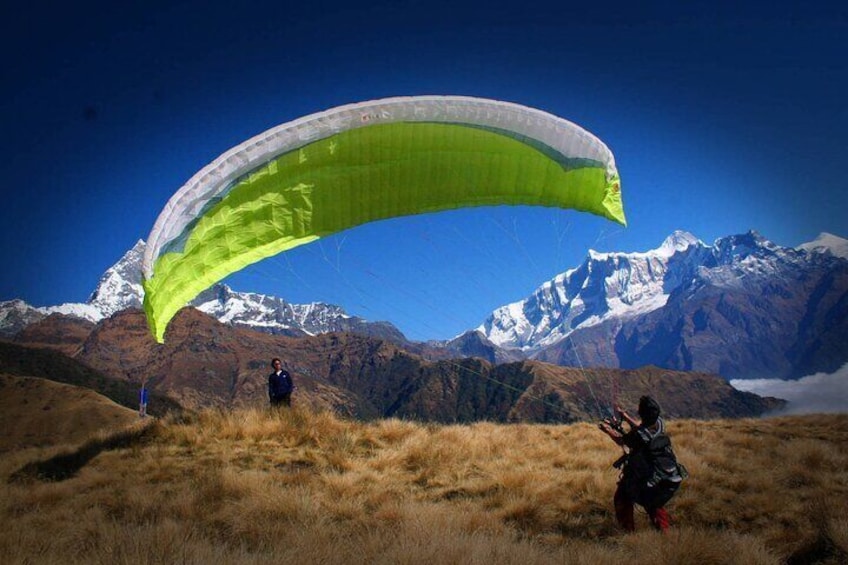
(260, 486)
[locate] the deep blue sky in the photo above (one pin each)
(723, 118)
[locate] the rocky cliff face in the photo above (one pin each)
(16, 315)
(65, 333)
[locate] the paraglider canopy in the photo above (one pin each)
(359, 163)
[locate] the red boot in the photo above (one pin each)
(660, 518)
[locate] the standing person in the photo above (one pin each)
(650, 474)
(280, 384)
(142, 401)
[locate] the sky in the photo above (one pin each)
(723, 116)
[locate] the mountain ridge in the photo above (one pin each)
(207, 364)
(617, 309)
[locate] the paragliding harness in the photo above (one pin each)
(650, 470)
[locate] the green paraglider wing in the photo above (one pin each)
(361, 163)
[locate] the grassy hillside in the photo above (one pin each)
(254, 486)
(38, 412)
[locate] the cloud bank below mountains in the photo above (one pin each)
(819, 393)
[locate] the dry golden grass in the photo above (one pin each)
(253, 486)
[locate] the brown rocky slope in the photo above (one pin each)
(204, 363)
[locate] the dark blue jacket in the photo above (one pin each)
(280, 385)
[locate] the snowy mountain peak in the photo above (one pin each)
(622, 286)
(744, 245)
(677, 241)
(120, 286)
(269, 313)
(827, 243)
(604, 286)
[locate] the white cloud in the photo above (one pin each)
(819, 393)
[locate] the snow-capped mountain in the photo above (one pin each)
(120, 288)
(827, 243)
(605, 286)
(270, 313)
(274, 315)
(743, 307)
